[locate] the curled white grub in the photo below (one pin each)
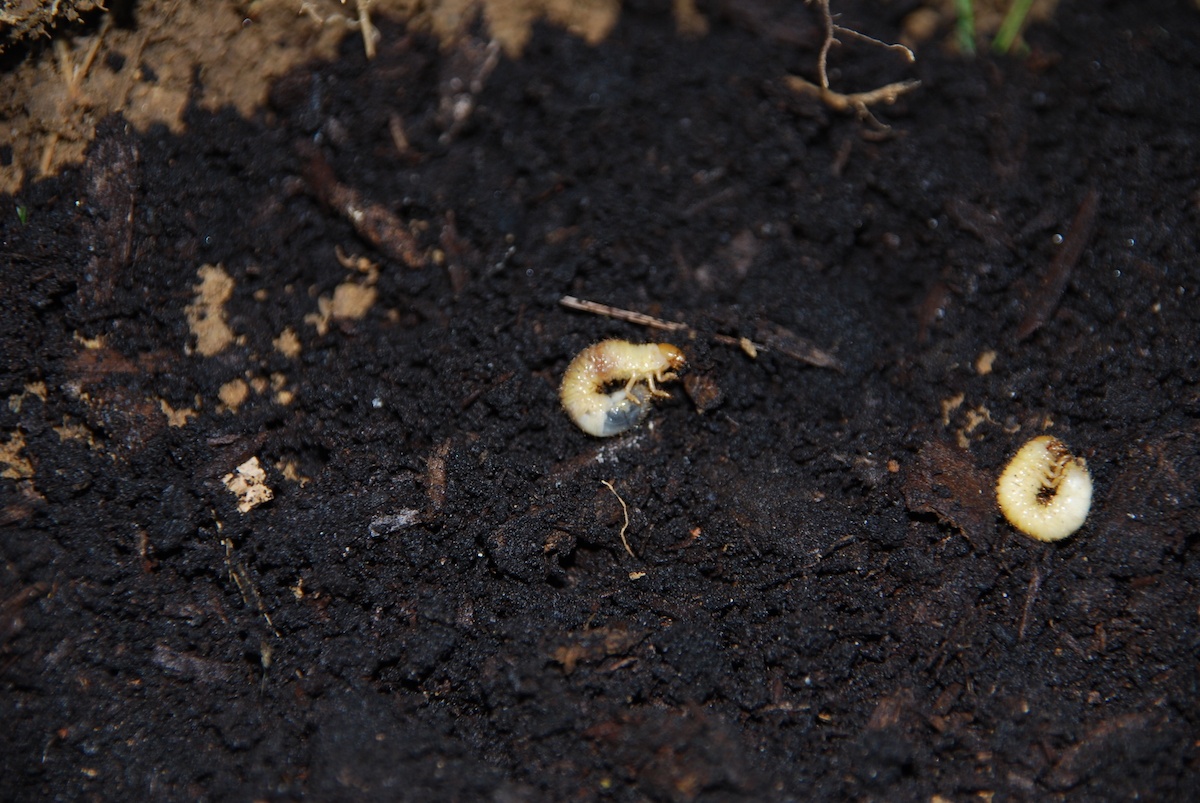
(1045, 491)
(638, 369)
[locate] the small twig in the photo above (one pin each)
(1035, 583)
(369, 32)
(625, 508)
(778, 338)
(744, 343)
(62, 52)
(374, 222)
(83, 69)
(241, 577)
(639, 318)
(134, 61)
(72, 74)
(48, 154)
(399, 137)
(785, 341)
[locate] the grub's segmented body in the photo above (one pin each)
(637, 369)
(1045, 491)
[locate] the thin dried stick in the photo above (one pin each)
(639, 318)
(72, 74)
(1035, 583)
(374, 222)
(778, 338)
(367, 29)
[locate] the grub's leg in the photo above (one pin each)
(655, 390)
(629, 386)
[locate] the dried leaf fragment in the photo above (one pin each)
(17, 465)
(617, 639)
(944, 481)
(248, 482)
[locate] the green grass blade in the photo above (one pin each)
(1011, 27)
(965, 26)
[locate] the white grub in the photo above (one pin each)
(637, 369)
(1045, 491)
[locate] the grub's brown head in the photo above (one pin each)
(673, 355)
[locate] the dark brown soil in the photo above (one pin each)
(437, 604)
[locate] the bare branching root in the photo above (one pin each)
(857, 102)
(625, 509)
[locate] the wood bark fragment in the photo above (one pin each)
(373, 222)
(1054, 280)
